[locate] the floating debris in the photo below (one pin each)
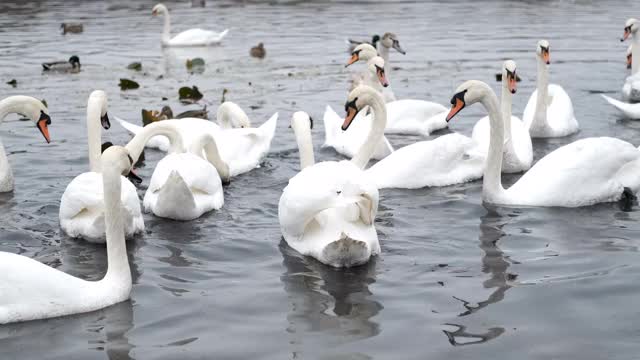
(126, 84)
(73, 28)
(13, 82)
(189, 95)
(224, 93)
(137, 66)
(258, 51)
(195, 65)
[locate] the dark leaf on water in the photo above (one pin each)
(137, 66)
(13, 82)
(195, 65)
(189, 95)
(126, 84)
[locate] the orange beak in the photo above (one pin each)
(382, 77)
(354, 58)
(512, 84)
(44, 129)
(459, 105)
(351, 114)
(545, 57)
(629, 57)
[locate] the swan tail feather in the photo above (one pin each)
(132, 128)
(175, 191)
(629, 110)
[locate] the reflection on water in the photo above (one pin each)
(322, 299)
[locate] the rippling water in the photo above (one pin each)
(455, 280)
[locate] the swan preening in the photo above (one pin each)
(549, 112)
(327, 210)
(191, 37)
(582, 173)
(35, 110)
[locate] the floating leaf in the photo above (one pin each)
(148, 117)
(189, 95)
(13, 82)
(126, 84)
(137, 66)
(195, 65)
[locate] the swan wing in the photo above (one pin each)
(631, 88)
(196, 37)
(582, 173)
(349, 142)
(631, 111)
(447, 160)
(560, 113)
(415, 117)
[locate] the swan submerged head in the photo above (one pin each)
(542, 51)
(470, 92)
(363, 52)
(509, 73)
(390, 40)
(630, 28)
(159, 9)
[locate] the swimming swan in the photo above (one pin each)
(582, 173)
(191, 37)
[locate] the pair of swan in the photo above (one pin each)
(582, 173)
(191, 37)
(327, 211)
(549, 111)
(31, 290)
(35, 110)
(241, 148)
(631, 88)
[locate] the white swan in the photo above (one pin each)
(35, 110)
(386, 43)
(82, 203)
(408, 116)
(241, 149)
(31, 290)
(631, 87)
(375, 73)
(518, 151)
(551, 113)
(582, 173)
(184, 185)
(327, 210)
(629, 56)
(631, 111)
(191, 37)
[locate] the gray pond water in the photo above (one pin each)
(456, 279)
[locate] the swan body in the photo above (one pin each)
(31, 290)
(518, 150)
(549, 112)
(327, 210)
(184, 186)
(191, 37)
(582, 173)
(241, 149)
(348, 143)
(631, 88)
(82, 204)
(447, 160)
(35, 110)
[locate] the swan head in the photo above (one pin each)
(33, 109)
(470, 92)
(231, 115)
(390, 40)
(376, 66)
(100, 97)
(358, 99)
(159, 9)
(122, 161)
(364, 52)
(630, 28)
(542, 51)
(509, 73)
(629, 56)
(301, 120)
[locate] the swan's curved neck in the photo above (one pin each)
(229, 111)
(505, 107)
(492, 182)
(635, 53)
(305, 146)
(118, 271)
(540, 115)
(14, 104)
(94, 133)
(166, 128)
(207, 144)
(166, 31)
(383, 51)
(375, 133)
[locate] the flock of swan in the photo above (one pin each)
(328, 210)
